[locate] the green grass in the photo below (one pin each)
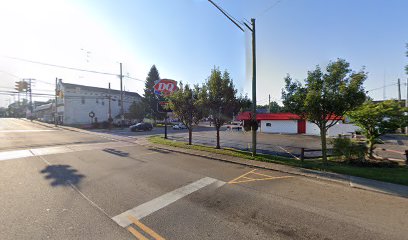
(397, 175)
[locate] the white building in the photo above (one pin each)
(289, 123)
(76, 102)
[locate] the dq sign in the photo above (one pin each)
(165, 87)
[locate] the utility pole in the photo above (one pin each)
(29, 91)
(269, 104)
(109, 109)
(122, 117)
(399, 90)
(56, 105)
(253, 85)
(252, 29)
(406, 102)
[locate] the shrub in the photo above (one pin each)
(349, 150)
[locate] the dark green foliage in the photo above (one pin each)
(221, 101)
(325, 94)
(274, 107)
(376, 119)
(150, 98)
(348, 149)
(18, 109)
(188, 104)
(243, 104)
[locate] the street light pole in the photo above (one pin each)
(122, 117)
(252, 29)
(253, 86)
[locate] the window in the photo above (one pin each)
(97, 101)
(103, 103)
(83, 100)
(119, 102)
(268, 124)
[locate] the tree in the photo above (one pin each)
(377, 119)
(187, 106)
(274, 107)
(137, 110)
(150, 98)
(243, 104)
(221, 99)
(325, 96)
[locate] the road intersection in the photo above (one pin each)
(100, 186)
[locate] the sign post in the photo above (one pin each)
(163, 88)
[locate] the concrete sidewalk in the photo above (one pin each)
(355, 182)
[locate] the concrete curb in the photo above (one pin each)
(351, 181)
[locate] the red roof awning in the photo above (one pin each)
(276, 116)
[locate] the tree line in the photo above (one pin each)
(324, 98)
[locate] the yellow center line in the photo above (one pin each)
(137, 234)
(145, 228)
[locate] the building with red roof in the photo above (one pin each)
(294, 124)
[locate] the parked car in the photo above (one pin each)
(179, 126)
(141, 127)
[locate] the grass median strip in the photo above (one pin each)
(398, 175)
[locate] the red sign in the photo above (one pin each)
(165, 87)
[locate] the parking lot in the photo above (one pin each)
(288, 145)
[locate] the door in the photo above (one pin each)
(301, 126)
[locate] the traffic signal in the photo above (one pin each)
(21, 86)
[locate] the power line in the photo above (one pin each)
(59, 66)
(381, 87)
(268, 8)
(69, 68)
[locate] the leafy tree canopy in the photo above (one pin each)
(325, 94)
(376, 119)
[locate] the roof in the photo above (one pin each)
(98, 89)
(276, 116)
(43, 107)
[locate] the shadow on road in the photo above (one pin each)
(116, 152)
(62, 175)
(159, 150)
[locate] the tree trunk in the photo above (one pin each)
(370, 148)
(190, 135)
(324, 144)
(218, 137)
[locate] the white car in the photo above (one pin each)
(179, 126)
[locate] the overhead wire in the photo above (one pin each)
(69, 68)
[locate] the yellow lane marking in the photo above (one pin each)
(136, 233)
(145, 228)
(245, 178)
(243, 175)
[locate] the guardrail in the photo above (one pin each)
(304, 150)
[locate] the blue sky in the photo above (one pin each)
(186, 38)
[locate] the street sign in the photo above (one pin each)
(162, 107)
(165, 87)
(91, 114)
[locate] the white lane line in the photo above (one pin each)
(158, 203)
(10, 155)
(15, 154)
(25, 131)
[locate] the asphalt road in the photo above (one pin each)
(120, 189)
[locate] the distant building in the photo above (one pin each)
(76, 102)
(45, 112)
(293, 124)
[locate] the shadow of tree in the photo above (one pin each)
(62, 175)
